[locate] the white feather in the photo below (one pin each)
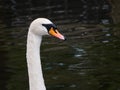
(36, 30)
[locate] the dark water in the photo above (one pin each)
(20, 12)
(88, 60)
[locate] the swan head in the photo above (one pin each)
(43, 26)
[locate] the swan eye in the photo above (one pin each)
(49, 26)
(52, 30)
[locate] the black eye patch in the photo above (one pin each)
(49, 26)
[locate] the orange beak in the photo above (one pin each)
(56, 34)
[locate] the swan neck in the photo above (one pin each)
(36, 81)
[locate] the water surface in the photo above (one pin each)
(88, 60)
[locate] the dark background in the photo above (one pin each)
(19, 12)
(101, 44)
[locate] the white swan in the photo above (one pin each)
(37, 29)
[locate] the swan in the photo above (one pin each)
(38, 28)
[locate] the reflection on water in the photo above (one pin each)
(20, 12)
(87, 60)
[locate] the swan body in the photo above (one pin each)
(37, 29)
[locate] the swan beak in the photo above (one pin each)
(56, 34)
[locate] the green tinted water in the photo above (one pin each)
(88, 60)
